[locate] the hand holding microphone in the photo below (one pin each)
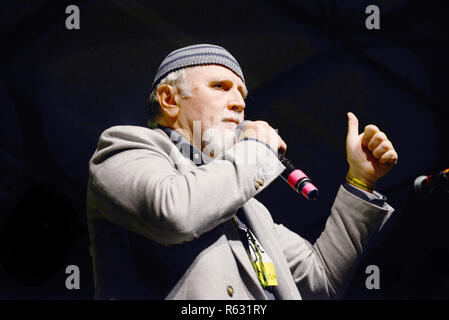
(262, 131)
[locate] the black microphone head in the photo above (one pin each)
(313, 194)
(420, 185)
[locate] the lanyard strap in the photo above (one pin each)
(262, 264)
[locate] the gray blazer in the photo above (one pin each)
(140, 183)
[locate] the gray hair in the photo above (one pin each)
(179, 80)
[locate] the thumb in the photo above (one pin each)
(353, 125)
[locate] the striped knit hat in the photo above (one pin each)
(195, 55)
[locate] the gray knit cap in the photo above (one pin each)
(195, 55)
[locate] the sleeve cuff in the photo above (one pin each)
(375, 198)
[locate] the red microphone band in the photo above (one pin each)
(298, 180)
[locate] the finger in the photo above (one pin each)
(382, 148)
(370, 131)
(389, 157)
(378, 138)
(353, 125)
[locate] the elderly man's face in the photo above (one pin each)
(217, 100)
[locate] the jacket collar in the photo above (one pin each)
(187, 150)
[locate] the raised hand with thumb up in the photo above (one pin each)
(370, 154)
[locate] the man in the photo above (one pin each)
(172, 215)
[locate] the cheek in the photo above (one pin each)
(209, 113)
(205, 107)
(196, 113)
(209, 121)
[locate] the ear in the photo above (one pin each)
(167, 98)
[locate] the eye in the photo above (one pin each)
(219, 85)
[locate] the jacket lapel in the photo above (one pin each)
(286, 288)
(241, 256)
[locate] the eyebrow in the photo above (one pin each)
(243, 87)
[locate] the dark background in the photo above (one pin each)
(306, 64)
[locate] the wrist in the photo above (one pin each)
(360, 181)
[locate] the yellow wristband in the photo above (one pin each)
(358, 183)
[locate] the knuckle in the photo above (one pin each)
(390, 155)
(373, 144)
(385, 145)
(371, 127)
(379, 136)
(380, 151)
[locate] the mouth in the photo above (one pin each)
(236, 121)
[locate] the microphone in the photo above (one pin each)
(296, 178)
(433, 183)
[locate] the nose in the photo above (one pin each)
(237, 103)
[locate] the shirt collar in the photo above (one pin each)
(186, 149)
